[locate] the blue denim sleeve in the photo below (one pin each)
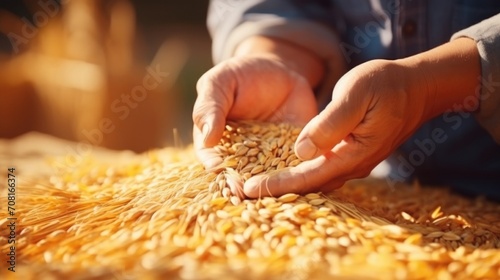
(487, 36)
(231, 21)
(308, 24)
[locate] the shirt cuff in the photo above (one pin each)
(487, 36)
(307, 34)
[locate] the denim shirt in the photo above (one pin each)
(466, 157)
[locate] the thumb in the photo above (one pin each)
(342, 115)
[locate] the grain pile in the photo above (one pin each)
(165, 217)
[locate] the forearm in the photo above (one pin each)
(448, 75)
(298, 59)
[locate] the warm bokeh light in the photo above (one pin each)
(82, 66)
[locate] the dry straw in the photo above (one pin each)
(165, 217)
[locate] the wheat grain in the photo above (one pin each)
(170, 217)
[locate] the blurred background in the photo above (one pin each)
(113, 73)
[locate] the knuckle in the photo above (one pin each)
(361, 172)
(200, 84)
(203, 110)
(197, 116)
(297, 186)
(327, 126)
(210, 77)
(332, 185)
(322, 131)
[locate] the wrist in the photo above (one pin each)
(295, 58)
(446, 76)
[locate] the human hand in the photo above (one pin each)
(373, 110)
(256, 87)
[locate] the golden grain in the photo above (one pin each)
(289, 197)
(317, 201)
(311, 196)
(257, 169)
(235, 200)
(275, 162)
(243, 162)
(451, 236)
(435, 234)
(242, 151)
(253, 152)
(175, 220)
(250, 143)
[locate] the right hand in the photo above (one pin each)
(257, 87)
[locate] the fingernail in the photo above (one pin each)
(306, 149)
(251, 186)
(205, 129)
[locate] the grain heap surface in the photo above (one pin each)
(165, 217)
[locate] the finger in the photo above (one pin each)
(209, 157)
(346, 111)
(304, 178)
(328, 171)
(299, 179)
(215, 98)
